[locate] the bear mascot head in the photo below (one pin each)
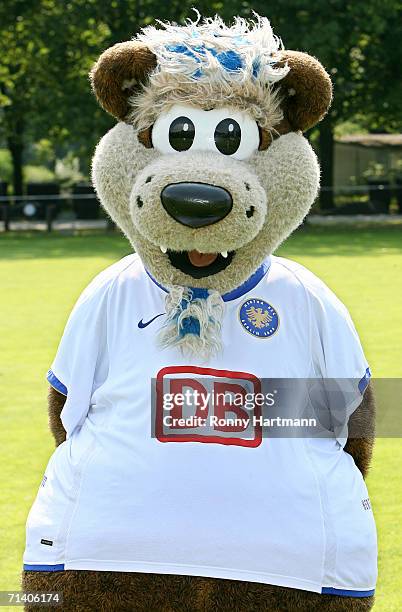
(207, 171)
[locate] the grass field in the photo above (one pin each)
(42, 275)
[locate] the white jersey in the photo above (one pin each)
(131, 491)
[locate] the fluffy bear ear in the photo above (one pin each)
(306, 91)
(119, 71)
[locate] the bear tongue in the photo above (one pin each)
(200, 260)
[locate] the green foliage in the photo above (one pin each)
(357, 42)
(375, 171)
(67, 170)
(6, 169)
(43, 152)
(47, 48)
(348, 127)
(38, 174)
(397, 170)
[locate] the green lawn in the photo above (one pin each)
(42, 275)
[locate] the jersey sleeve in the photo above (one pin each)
(338, 360)
(81, 359)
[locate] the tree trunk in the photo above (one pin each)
(326, 144)
(16, 148)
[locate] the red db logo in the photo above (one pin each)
(195, 404)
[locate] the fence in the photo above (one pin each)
(46, 207)
(26, 207)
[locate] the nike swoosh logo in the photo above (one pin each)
(141, 324)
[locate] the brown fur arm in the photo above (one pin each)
(56, 402)
(361, 431)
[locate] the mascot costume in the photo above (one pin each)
(155, 499)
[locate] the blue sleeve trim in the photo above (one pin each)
(364, 381)
(44, 568)
(346, 593)
(56, 383)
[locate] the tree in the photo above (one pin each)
(43, 46)
(357, 42)
(48, 46)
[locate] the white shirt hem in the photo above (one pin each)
(190, 570)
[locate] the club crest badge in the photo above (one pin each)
(259, 318)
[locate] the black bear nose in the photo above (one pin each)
(196, 204)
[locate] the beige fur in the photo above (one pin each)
(164, 90)
(283, 183)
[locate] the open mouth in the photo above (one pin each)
(200, 265)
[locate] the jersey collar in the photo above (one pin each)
(244, 288)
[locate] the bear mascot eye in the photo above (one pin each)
(227, 136)
(226, 131)
(181, 134)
